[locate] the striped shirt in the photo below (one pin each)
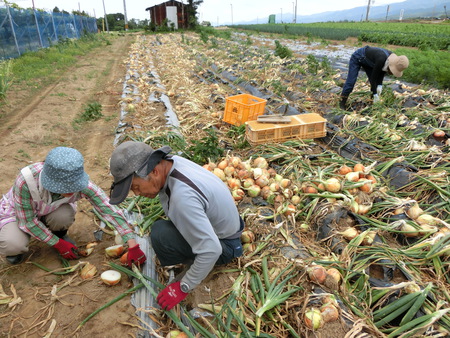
(18, 206)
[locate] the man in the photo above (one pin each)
(204, 225)
(42, 205)
(376, 62)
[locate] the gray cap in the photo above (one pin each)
(131, 158)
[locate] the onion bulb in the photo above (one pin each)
(408, 230)
(124, 258)
(238, 194)
(439, 133)
(414, 211)
(111, 277)
(313, 319)
(219, 173)
(229, 171)
(262, 181)
(266, 192)
(332, 185)
(295, 200)
(247, 236)
(234, 183)
(349, 233)
(115, 250)
(222, 164)
(254, 190)
(427, 219)
(248, 182)
(257, 172)
(329, 313)
(176, 334)
(359, 167)
(235, 161)
(352, 176)
(285, 182)
(317, 273)
(88, 271)
(344, 170)
(260, 162)
(334, 275)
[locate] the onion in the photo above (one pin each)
(274, 186)
(260, 162)
(359, 167)
(414, 211)
(243, 174)
(88, 271)
(369, 238)
(332, 185)
(265, 192)
(313, 319)
(176, 334)
(329, 313)
(409, 230)
(285, 182)
(344, 170)
(439, 133)
(288, 193)
(249, 247)
(262, 181)
(111, 277)
(426, 229)
(235, 161)
(219, 173)
(272, 172)
(352, 176)
(295, 200)
(371, 178)
(247, 236)
(367, 188)
(254, 190)
(115, 250)
(334, 275)
(290, 210)
(427, 219)
(364, 208)
(234, 183)
(310, 190)
(248, 182)
(257, 172)
(412, 287)
(304, 227)
(317, 273)
(229, 171)
(124, 258)
(222, 164)
(349, 233)
(207, 167)
(238, 194)
(278, 178)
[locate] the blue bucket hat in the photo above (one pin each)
(63, 171)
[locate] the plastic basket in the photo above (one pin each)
(242, 108)
(303, 126)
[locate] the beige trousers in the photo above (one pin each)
(14, 241)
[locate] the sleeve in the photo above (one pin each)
(26, 215)
(196, 228)
(114, 215)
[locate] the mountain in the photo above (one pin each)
(410, 8)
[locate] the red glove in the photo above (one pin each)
(170, 296)
(136, 256)
(66, 249)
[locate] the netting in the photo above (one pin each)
(23, 30)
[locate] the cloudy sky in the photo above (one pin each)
(218, 12)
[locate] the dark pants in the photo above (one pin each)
(171, 247)
(357, 61)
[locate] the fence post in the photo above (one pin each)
(75, 26)
(37, 27)
(12, 29)
(54, 27)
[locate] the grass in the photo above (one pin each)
(45, 65)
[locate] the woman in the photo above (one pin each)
(42, 205)
(376, 62)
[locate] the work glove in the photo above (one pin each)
(379, 89)
(170, 296)
(376, 98)
(66, 249)
(136, 256)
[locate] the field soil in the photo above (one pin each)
(31, 124)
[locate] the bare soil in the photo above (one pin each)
(31, 124)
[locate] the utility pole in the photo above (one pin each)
(125, 14)
(368, 9)
(281, 21)
(293, 10)
(231, 14)
(295, 17)
(106, 19)
(387, 12)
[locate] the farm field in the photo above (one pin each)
(400, 159)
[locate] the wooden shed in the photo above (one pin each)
(174, 11)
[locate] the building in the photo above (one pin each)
(174, 11)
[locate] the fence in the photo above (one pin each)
(23, 30)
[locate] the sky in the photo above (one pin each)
(217, 12)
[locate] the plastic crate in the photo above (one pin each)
(242, 108)
(303, 126)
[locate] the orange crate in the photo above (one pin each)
(303, 126)
(242, 108)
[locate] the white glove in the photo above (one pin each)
(379, 89)
(376, 98)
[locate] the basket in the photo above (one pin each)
(303, 126)
(242, 108)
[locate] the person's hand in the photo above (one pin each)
(170, 296)
(376, 98)
(136, 256)
(66, 249)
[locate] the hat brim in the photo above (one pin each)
(120, 190)
(395, 72)
(64, 187)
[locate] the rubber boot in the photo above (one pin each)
(16, 259)
(343, 103)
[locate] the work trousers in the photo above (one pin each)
(357, 61)
(171, 248)
(14, 241)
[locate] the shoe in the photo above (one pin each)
(17, 259)
(343, 103)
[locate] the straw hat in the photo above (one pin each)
(397, 64)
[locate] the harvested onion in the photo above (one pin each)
(111, 277)
(88, 271)
(313, 319)
(329, 313)
(332, 185)
(115, 250)
(317, 273)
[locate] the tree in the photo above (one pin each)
(191, 8)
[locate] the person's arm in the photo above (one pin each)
(26, 216)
